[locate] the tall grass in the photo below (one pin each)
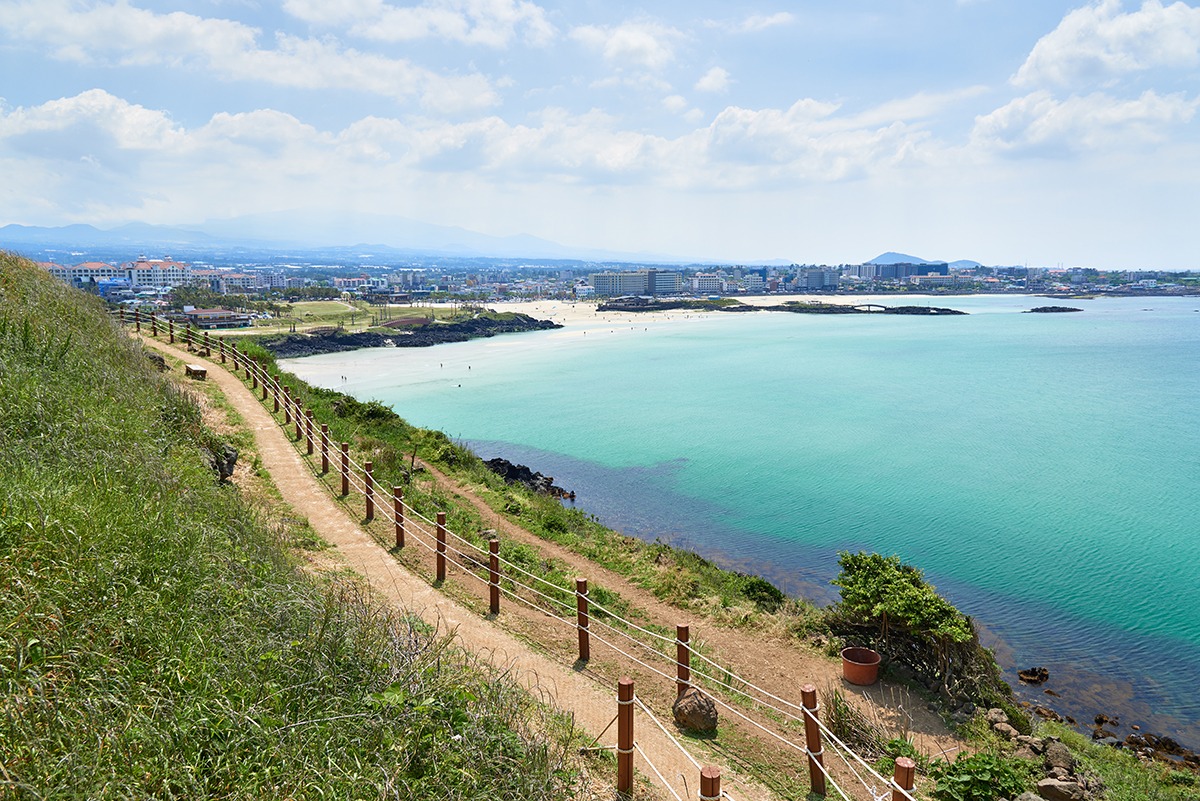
(156, 641)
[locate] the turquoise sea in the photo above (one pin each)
(1043, 469)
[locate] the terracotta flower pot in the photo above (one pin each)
(860, 665)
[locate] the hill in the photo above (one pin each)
(160, 640)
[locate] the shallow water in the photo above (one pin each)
(1042, 469)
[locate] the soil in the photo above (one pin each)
(540, 651)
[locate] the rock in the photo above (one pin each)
(1035, 744)
(695, 711)
(520, 474)
(1059, 790)
(1059, 756)
(1102, 734)
(995, 716)
(1006, 731)
(157, 361)
(1047, 713)
(223, 461)
(1110, 740)
(1034, 675)
(1058, 773)
(1027, 797)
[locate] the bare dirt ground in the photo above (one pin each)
(538, 650)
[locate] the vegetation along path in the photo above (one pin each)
(592, 705)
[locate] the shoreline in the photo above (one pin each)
(579, 318)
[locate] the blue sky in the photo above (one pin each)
(1008, 131)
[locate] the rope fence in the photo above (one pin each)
(411, 526)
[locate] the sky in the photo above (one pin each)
(1033, 132)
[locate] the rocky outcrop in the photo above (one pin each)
(1034, 675)
(291, 346)
(1051, 310)
(223, 460)
(520, 474)
(1061, 780)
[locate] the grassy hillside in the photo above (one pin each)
(157, 641)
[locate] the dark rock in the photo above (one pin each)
(223, 461)
(1101, 733)
(291, 346)
(158, 361)
(1052, 310)
(1047, 713)
(1027, 797)
(1034, 675)
(1104, 720)
(695, 711)
(520, 474)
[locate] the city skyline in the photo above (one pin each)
(1029, 132)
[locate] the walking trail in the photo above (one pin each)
(777, 666)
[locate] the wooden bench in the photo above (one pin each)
(199, 372)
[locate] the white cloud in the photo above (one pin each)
(1039, 124)
(716, 80)
(1100, 41)
(493, 23)
(643, 44)
(760, 22)
(676, 104)
(120, 34)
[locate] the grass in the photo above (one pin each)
(1125, 777)
(157, 638)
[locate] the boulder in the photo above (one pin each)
(1059, 756)
(995, 716)
(1060, 790)
(695, 711)
(1006, 731)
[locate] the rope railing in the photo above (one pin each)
(353, 474)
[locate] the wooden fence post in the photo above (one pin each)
(904, 777)
(324, 448)
(812, 740)
(683, 660)
(308, 431)
(137, 319)
(275, 393)
(710, 783)
(398, 514)
(345, 469)
(441, 546)
(369, 489)
(287, 405)
(121, 315)
(493, 575)
(220, 343)
(171, 330)
(625, 735)
(264, 388)
(153, 326)
(581, 619)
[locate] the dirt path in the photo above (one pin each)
(593, 705)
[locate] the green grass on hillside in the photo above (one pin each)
(155, 641)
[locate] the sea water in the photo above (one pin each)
(1042, 469)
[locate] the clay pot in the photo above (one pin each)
(860, 665)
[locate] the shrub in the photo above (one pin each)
(978, 777)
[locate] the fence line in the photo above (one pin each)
(900, 784)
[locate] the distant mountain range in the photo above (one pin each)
(348, 238)
(891, 257)
(384, 237)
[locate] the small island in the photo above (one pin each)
(1051, 310)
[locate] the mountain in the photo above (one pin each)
(290, 232)
(891, 257)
